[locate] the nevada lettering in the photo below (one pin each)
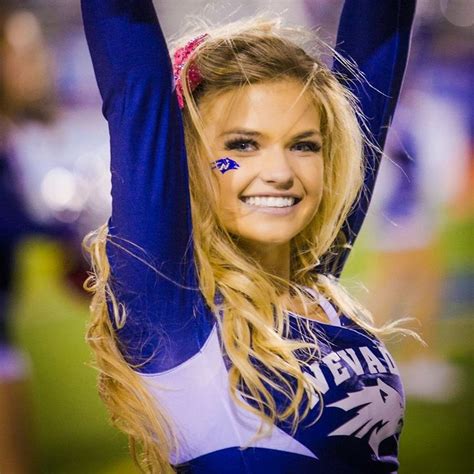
(346, 363)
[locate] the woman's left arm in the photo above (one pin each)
(375, 34)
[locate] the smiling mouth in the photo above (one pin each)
(270, 201)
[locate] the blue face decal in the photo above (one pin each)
(225, 164)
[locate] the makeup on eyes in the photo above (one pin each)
(235, 143)
(313, 146)
(238, 144)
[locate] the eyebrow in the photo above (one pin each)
(253, 133)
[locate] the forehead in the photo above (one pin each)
(273, 108)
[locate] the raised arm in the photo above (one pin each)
(150, 248)
(376, 35)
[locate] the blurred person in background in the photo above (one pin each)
(424, 170)
(26, 95)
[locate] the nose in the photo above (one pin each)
(276, 169)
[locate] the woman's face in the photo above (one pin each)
(270, 174)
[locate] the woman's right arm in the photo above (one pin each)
(150, 249)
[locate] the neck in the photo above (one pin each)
(275, 259)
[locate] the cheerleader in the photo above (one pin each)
(224, 340)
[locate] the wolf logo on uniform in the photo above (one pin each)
(381, 398)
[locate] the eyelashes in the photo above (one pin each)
(248, 145)
(311, 146)
(241, 144)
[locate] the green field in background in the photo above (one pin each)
(70, 423)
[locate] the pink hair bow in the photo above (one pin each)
(180, 58)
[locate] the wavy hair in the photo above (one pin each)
(254, 324)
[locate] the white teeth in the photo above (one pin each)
(270, 201)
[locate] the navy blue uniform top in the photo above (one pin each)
(169, 329)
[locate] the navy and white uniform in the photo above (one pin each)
(169, 330)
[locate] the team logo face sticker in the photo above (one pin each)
(225, 164)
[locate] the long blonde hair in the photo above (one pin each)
(254, 323)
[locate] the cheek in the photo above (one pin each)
(232, 177)
(312, 178)
(230, 185)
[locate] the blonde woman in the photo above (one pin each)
(224, 341)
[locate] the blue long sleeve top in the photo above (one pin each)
(170, 336)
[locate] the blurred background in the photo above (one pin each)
(413, 258)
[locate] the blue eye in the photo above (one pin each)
(241, 144)
(248, 145)
(313, 147)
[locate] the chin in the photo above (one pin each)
(262, 232)
(267, 237)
